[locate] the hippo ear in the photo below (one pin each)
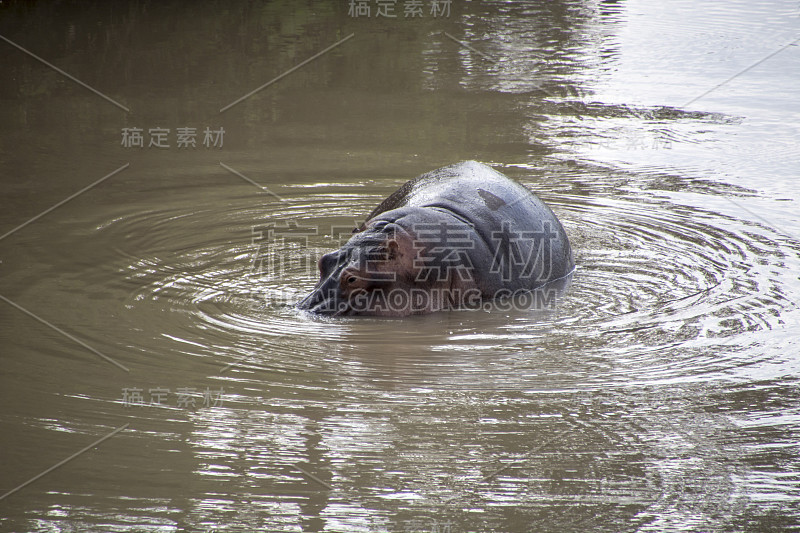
(392, 249)
(400, 251)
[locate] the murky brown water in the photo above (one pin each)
(660, 393)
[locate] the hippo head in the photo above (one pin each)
(358, 277)
(381, 271)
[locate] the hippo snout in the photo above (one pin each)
(327, 297)
(323, 302)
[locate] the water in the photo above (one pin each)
(660, 393)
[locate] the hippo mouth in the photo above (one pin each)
(321, 302)
(334, 302)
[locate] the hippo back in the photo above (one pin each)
(497, 208)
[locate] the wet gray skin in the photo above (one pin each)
(449, 239)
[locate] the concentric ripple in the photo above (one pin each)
(664, 291)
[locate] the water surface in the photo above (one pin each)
(660, 393)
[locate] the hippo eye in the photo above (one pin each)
(351, 280)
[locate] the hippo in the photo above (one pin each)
(453, 238)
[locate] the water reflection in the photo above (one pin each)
(658, 395)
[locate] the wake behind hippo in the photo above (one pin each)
(451, 238)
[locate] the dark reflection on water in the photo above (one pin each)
(658, 394)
